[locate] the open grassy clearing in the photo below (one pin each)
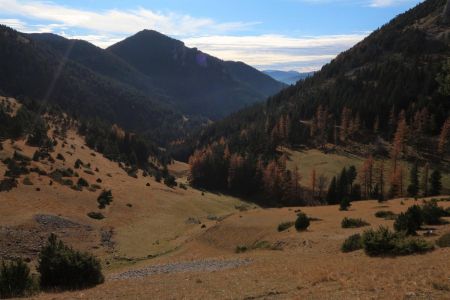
(331, 164)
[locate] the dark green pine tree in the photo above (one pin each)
(351, 176)
(331, 194)
(413, 187)
(435, 183)
(342, 185)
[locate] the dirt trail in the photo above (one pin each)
(180, 267)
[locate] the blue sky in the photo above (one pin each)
(268, 34)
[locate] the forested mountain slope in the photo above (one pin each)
(98, 60)
(398, 67)
(34, 71)
(198, 82)
(388, 96)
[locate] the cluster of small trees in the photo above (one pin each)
(59, 266)
(343, 186)
(119, 145)
(429, 185)
(27, 123)
(215, 167)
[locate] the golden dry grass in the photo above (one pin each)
(331, 164)
(310, 266)
(307, 265)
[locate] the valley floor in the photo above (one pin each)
(162, 243)
(306, 265)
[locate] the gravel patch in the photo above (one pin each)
(57, 222)
(182, 267)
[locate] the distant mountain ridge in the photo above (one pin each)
(287, 77)
(148, 93)
(198, 82)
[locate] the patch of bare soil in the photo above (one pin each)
(180, 267)
(26, 240)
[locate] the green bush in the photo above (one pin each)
(353, 223)
(105, 198)
(89, 172)
(96, 215)
(410, 221)
(410, 245)
(15, 279)
(345, 203)
(27, 181)
(65, 268)
(385, 214)
(285, 225)
(78, 164)
(432, 213)
(170, 181)
(444, 240)
(241, 248)
(82, 182)
(385, 242)
(378, 242)
(7, 184)
(405, 223)
(352, 243)
(302, 222)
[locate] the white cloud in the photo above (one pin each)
(386, 3)
(117, 21)
(104, 28)
(276, 51)
(369, 3)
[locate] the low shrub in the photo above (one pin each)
(302, 222)
(15, 279)
(405, 223)
(95, 186)
(7, 184)
(353, 223)
(59, 156)
(105, 198)
(170, 181)
(16, 169)
(241, 248)
(158, 177)
(65, 268)
(82, 182)
(410, 245)
(352, 243)
(68, 182)
(432, 213)
(27, 181)
(378, 242)
(385, 214)
(444, 240)
(78, 164)
(385, 242)
(285, 225)
(20, 156)
(96, 215)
